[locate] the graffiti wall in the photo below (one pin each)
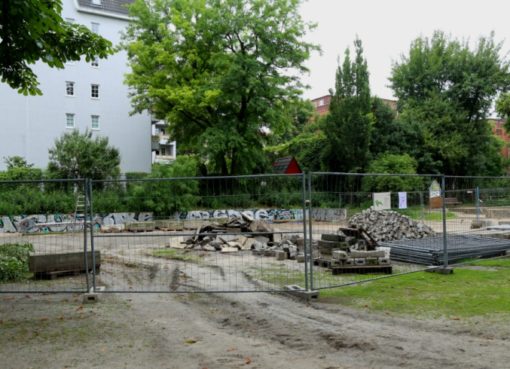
(69, 223)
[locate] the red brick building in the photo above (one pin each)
(498, 129)
(322, 104)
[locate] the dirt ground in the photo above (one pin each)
(244, 330)
(222, 331)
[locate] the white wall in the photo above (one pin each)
(30, 125)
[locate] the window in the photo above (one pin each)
(94, 121)
(95, 27)
(70, 20)
(96, 2)
(69, 88)
(94, 91)
(69, 120)
(95, 62)
(321, 102)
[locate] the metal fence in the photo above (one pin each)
(245, 233)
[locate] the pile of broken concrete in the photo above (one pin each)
(386, 225)
(244, 233)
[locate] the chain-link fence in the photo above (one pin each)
(244, 233)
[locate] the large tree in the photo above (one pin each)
(349, 124)
(446, 89)
(218, 71)
(33, 30)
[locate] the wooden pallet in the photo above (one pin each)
(362, 269)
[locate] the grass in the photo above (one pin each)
(281, 275)
(419, 214)
(466, 293)
(414, 212)
(173, 254)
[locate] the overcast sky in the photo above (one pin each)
(387, 29)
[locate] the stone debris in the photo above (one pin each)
(387, 225)
(352, 248)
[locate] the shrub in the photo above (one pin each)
(14, 261)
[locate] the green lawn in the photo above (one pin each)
(174, 254)
(467, 293)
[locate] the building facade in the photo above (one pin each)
(84, 95)
(498, 129)
(164, 150)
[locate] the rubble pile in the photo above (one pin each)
(352, 248)
(385, 225)
(245, 233)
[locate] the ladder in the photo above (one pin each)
(80, 211)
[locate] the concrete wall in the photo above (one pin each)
(29, 125)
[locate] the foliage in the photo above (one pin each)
(447, 89)
(503, 108)
(306, 146)
(349, 124)
(33, 31)
(16, 162)
(167, 196)
(392, 163)
(78, 155)
(14, 261)
(218, 71)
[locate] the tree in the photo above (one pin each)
(503, 108)
(78, 155)
(16, 161)
(349, 124)
(218, 71)
(33, 30)
(447, 89)
(393, 163)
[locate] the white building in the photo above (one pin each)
(83, 95)
(164, 150)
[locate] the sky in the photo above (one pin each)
(387, 28)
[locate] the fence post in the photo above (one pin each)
(477, 199)
(92, 249)
(310, 231)
(305, 238)
(445, 241)
(85, 230)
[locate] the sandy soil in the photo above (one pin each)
(243, 330)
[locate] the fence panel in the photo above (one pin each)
(479, 226)
(408, 233)
(200, 234)
(43, 236)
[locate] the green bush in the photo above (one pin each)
(14, 261)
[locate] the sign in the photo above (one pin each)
(435, 189)
(382, 200)
(402, 200)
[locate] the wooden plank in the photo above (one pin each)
(362, 269)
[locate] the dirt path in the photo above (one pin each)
(246, 330)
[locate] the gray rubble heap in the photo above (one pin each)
(245, 233)
(387, 225)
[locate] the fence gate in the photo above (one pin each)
(240, 241)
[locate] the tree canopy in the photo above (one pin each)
(222, 73)
(33, 30)
(79, 155)
(446, 90)
(348, 126)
